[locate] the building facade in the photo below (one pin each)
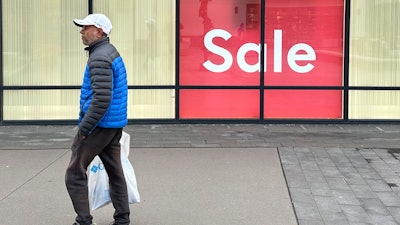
(262, 61)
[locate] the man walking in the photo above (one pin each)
(103, 114)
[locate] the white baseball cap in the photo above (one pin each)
(97, 20)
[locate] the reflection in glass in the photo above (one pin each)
(304, 42)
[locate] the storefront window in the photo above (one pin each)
(144, 33)
(303, 104)
(220, 46)
(220, 104)
(304, 42)
(367, 104)
(39, 42)
(41, 104)
(151, 104)
(40, 49)
(374, 59)
(211, 43)
(222, 74)
(304, 47)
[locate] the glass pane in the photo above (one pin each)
(374, 104)
(303, 104)
(64, 104)
(304, 42)
(219, 42)
(375, 43)
(221, 104)
(151, 104)
(41, 104)
(144, 34)
(38, 50)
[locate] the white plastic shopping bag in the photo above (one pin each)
(98, 185)
(129, 172)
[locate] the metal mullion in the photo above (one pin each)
(346, 61)
(177, 58)
(262, 58)
(374, 88)
(303, 88)
(219, 87)
(41, 87)
(90, 6)
(1, 64)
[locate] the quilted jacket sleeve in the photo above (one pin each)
(101, 82)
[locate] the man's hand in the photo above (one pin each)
(81, 135)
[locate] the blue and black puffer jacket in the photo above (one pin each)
(104, 93)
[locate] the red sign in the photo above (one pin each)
(220, 46)
(220, 104)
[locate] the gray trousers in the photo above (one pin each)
(103, 142)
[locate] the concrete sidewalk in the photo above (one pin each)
(218, 174)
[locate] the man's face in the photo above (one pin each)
(90, 34)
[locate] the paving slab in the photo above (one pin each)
(17, 167)
(178, 186)
(355, 165)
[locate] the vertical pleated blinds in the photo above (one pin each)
(374, 59)
(41, 47)
(144, 33)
